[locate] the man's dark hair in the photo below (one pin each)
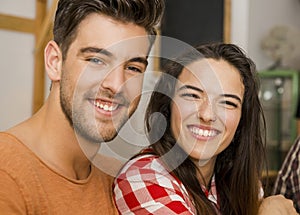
(70, 13)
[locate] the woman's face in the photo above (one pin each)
(206, 108)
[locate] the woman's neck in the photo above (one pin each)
(206, 170)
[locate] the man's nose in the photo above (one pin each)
(114, 79)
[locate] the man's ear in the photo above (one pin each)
(53, 60)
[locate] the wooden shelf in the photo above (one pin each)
(14, 23)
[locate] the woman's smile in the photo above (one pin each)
(201, 132)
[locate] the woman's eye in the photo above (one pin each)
(190, 95)
(229, 104)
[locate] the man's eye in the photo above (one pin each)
(95, 60)
(134, 69)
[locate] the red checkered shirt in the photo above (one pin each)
(144, 186)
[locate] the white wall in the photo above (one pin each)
(16, 66)
(16, 80)
(265, 14)
(239, 23)
(251, 20)
(18, 8)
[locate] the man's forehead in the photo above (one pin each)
(135, 47)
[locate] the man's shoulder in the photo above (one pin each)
(294, 151)
(9, 144)
(14, 155)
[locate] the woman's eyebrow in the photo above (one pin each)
(232, 96)
(190, 87)
(201, 91)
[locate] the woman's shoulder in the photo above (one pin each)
(144, 164)
(149, 169)
(145, 184)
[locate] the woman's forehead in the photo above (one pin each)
(214, 76)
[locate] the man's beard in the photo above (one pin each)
(90, 131)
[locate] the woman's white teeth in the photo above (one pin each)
(205, 133)
(105, 106)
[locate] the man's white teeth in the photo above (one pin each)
(106, 107)
(205, 133)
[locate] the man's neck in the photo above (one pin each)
(50, 137)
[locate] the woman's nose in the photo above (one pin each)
(206, 111)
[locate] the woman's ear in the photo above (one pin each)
(53, 60)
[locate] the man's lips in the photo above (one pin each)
(105, 105)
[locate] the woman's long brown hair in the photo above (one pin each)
(239, 167)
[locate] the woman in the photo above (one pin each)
(209, 156)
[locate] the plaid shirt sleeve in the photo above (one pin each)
(144, 186)
(288, 179)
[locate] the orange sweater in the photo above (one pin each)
(29, 186)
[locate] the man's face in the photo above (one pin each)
(102, 76)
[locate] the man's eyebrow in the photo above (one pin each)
(190, 87)
(96, 50)
(140, 60)
(109, 54)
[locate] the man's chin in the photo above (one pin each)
(95, 137)
(102, 132)
(109, 138)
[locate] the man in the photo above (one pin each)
(298, 117)
(288, 179)
(95, 63)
